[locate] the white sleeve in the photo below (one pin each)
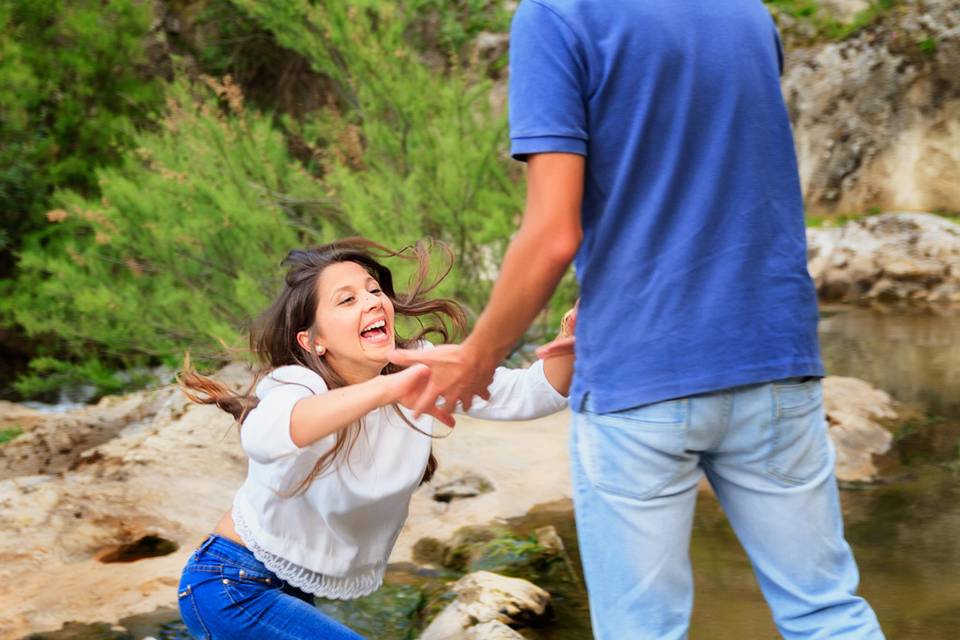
(265, 433)
(518, 394)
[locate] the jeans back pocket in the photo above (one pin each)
(636, 452)
(798, 443)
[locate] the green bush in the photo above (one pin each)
(812, 23)
(407, 150)
(75, 79)
(181, 250)
(410, 150)
(179, 243)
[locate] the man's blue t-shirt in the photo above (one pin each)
(692, 269)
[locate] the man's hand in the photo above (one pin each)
(457, 374)
(405, 388)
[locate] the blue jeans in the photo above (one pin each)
(765, 450)
(227, 594)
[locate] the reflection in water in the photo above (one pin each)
(914, 356)
(905, 532)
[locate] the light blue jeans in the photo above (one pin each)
(765, 450)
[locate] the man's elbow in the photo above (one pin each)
(563, 245)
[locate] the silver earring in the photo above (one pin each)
(320, 351)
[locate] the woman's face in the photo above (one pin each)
(354, 321)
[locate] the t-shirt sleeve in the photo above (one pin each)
(518, 394)
(548, 84)
(265, 432)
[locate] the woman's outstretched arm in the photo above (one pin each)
(300, 411)
(315, 417)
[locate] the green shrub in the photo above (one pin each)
(407, 150)
(9, 433)
(181, 242)
(181, 250)
(816, 24)
(75, 79)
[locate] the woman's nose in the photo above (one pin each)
(373, 301)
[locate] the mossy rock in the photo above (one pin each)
(430, 551)
(390, 613)
(499, 551)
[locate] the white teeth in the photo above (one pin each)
(379, 324)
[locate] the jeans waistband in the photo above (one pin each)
(230, 552)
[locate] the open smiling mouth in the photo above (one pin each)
(375, 332)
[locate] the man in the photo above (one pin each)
(660, 154)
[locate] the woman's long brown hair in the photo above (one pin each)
(273, 336)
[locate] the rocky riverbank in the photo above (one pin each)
(876, 117)
(106, 502)
(911, 257)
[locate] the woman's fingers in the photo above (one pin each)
(556, 348)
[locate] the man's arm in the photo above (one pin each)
(535, 261)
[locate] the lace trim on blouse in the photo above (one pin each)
(323, 586)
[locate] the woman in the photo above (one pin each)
(334, 459)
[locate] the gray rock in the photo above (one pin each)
(493, 630)
(875, 116)
(548, 538)
(855, 411)
(466, 486)
(894, 256)
(485, 597)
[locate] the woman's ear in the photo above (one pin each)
(303, 339)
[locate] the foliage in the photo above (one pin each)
(814, 23)
(390, 613)
(9, 433)
(97, 377)
(177, 244)
(407, 150)
(72, 84)
(928, 46)
(456, 23)
(183, 247)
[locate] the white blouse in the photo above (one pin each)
(333, 539)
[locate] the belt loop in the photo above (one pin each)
(203, 545)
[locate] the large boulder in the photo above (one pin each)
(855, 413)
(894, 256)
(876, 117)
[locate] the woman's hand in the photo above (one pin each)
(405, 387)
(563, 344)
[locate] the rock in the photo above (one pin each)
(109, 482)
(854, 411)
(493, 630)
(548, 538)
(845, 10)
(489, 47)
(389, 612)
(467, 486)
(484, 597)
(894, 256)
(500, 551)
(876, 117)
(429, 551)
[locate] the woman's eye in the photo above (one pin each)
(376, 291)
(346, 300)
